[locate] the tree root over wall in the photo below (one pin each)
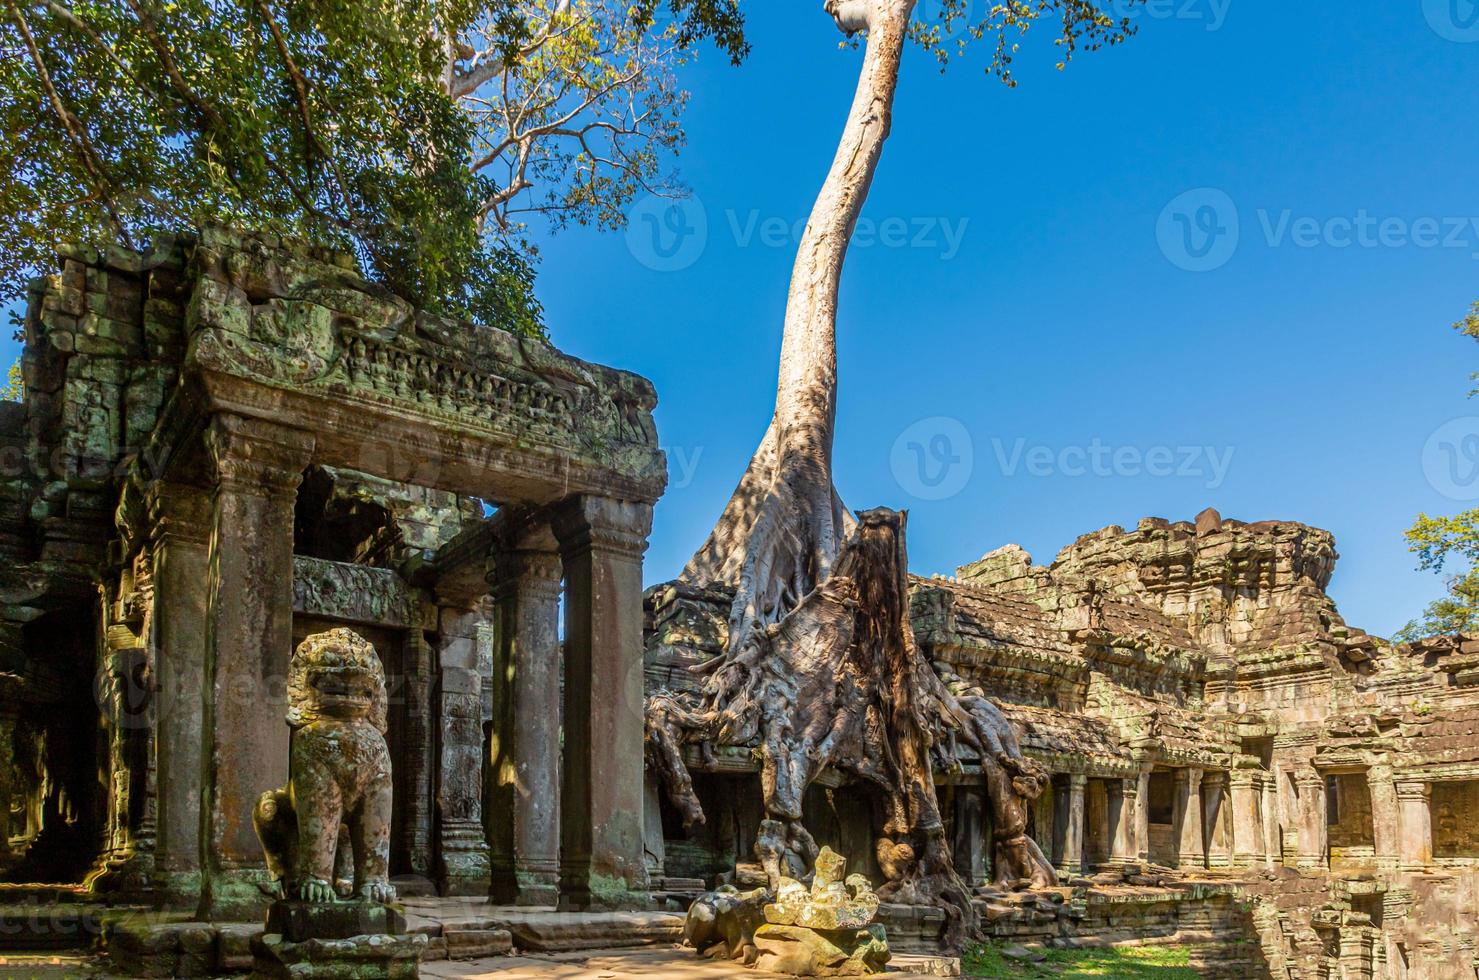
(839, 682)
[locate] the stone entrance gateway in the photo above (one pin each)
(243, 441)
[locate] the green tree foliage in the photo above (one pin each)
(15, 384)
(344, 123)
(1444, 542)
(316, 118)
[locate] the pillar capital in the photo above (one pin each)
(1214, 778)
(615, 527)
(1308, 776)
(1190, 776)
(531, 567)
(178, 510)
(1413, 790)
(258, 457)
(1078, 781)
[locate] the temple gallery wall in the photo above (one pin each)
(231, 443)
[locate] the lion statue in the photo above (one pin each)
(339, 774)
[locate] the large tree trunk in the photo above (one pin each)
(779, 534)
(821, 668)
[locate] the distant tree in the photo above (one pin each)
(15, 384)
(337, 122)
(580, 116)
(1443, 542)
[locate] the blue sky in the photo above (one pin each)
(1024, 355)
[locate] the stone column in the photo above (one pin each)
(526, 727)
(1191, 849)
(1314, 831)
(462, 846)
(180, 526)
(1122, 801)
(1386, 837)
(1215, 812)
(1247, 818)
(7, 767)
(1415, 824)
(249, 641)
(1273, 848)
(1142, 815)
(1073, 828)
(418, 763)
(970, 843)
(601, 546)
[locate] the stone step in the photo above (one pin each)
(473, 944)
(561, 932)
(34, 927)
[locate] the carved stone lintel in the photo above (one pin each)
(353, 593)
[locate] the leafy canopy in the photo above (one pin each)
(333, 120)
(954, 26)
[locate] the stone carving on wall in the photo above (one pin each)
(293, 318)
(353, 593)
(340, 773)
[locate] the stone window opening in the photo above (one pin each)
(334, 525)
(1455, 832)
(1350, 819)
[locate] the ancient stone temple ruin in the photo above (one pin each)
(231, 443)
(1229, 758)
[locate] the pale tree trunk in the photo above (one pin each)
(778, 536)
(821, 669)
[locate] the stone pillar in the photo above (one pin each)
(970, 843)
(1191, 849)
(525, 752)
(1386, 836)
(1073, 828)
(1415, 824)
(1122, 802)
(1273, 848)
(7, 768)
(601, 546)
(249, 641)
(417, 770)
(1142, 815)
(462, 846)
(1247, 818)
(1215, 813)
(180, 526)
(1314, 831)
(1357, 952)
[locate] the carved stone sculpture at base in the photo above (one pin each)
(822, 931)
(340, 789)
(802, 952)
(340, 773)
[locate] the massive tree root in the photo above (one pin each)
(839, 683)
